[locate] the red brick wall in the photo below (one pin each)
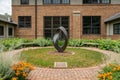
(104, 11)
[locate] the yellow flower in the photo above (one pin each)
(110, 77)
(114, 69)
(100, 76)
(31, 68)
(25, 74)
(17, 73)
(14, 78)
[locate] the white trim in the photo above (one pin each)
(110, 28)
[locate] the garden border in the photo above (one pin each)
(89, 73)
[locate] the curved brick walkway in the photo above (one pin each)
(70, 74)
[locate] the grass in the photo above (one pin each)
(81, 58)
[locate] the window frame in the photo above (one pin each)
(22, 3)
(114, 25)
(91, 27)
(100, 2)
(3, 31)
(61, 2)
(24, 22)
(52, 26)
(12, 31)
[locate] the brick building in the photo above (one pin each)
(83, 19)
(7, 27)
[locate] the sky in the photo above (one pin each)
(5, 6)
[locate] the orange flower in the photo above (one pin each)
(110, 77)
(14, 78)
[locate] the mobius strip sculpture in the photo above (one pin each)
(60, 31)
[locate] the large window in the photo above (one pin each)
(24, 1)
(51, 24)
(96, 1)
(1, 31)
(24, 21)
(116, 28)
(56, 1)
(91, 24)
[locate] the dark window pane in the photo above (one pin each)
(24, 1)
(87, 1)
(47, 2)
(96, 21)
(56, 22)
(24, 21)
(86, 24)
(10, 31)
(87, 21)
(96, 1)
(91, 24)
(47, 22)
(105, 1)
(116, 28)
(65, 22)
(51, 24)
(65, 1)
(47, 33)
(56, 1)
(1, 31)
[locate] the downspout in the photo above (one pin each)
(35, 19)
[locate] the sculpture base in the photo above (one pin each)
(65, 53)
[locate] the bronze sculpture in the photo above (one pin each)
(61, 30)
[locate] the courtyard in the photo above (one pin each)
(77, 71)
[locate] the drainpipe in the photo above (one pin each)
(35, 19)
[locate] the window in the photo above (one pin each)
(51, 24)
(24, 21)
(1, 31)
(96, 1)
(10, 31)
(56, 1)
(116, 28)
(105, 1)
(91, 24)
(24, 1)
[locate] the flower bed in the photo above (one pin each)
(110, 72)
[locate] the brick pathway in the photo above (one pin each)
(71, 74)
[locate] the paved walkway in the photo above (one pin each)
(71, 74)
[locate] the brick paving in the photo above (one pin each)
(71, 74)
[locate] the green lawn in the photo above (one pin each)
(81, 58)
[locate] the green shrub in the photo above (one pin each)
(17, 43)
(75, 43)
(107, 44)
(12, 43)
(42, 42)
(117, 47)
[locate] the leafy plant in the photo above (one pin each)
(42, 42)
(76, 43)
(22, 70)
(6, 60)
(110, 72)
